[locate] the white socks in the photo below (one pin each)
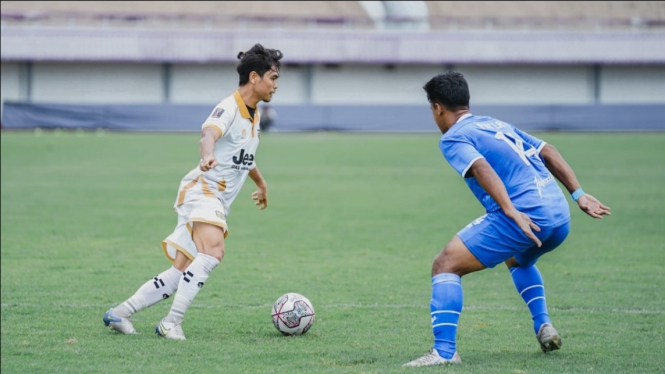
(153, 291)
(193, 278)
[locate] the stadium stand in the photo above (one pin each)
(548, 9)
(496, 15)
(544, 15)
(186, 14)
(113, 57)
(273, 8)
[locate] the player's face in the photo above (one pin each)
(267, 85)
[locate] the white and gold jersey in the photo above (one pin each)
(235, 152)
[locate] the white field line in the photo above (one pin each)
(356, 306)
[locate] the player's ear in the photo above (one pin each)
(437, 108)
(254, 77)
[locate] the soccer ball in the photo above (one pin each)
(292, 314)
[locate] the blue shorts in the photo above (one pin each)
(494, 238)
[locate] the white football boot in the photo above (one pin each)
(121, 325)
(549, 338)
(170, 330)
(432, 358)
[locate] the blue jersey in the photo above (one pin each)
(515, 156)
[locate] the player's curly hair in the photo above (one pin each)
(448, 89)
(257, 59)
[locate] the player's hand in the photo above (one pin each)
(261, 198)
(591, 206)
(208, 163)
(527, 226)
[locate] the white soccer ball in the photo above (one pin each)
(292, 314)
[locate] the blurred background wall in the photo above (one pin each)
(342, 59)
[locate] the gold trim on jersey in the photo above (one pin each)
(219, 131)
(181, 195)
(177, 248)
(242, 107)
(221, 185)
(204, 186)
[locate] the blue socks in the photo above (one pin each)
(447, 297)
(530, 286)
(445, 308)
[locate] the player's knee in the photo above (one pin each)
(443, 263)
(526, 263)
(455, 258)
(181, 261)
(437, 267)
(512, 262)
(216, 251)
(209, 240)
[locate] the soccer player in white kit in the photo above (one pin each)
(230, 137)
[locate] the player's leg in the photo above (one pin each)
(159, 288)
(209, 240)
(529, 284)
(485, 242)
(454, 261)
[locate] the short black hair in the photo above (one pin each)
(257, 59)
(448, 89)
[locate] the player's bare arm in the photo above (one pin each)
(261, 193)
(556, 164)
(207, 147)
(490, 182)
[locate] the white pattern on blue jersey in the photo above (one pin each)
(515, 156)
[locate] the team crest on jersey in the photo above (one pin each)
(244, 133)
(217, 113)
(219, 214)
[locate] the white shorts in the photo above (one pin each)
(206, 210)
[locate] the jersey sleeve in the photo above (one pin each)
(536, 143)
(460, 153)
(219, 119)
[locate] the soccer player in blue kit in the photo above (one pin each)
(512, 174)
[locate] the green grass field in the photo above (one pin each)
(354, 222)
